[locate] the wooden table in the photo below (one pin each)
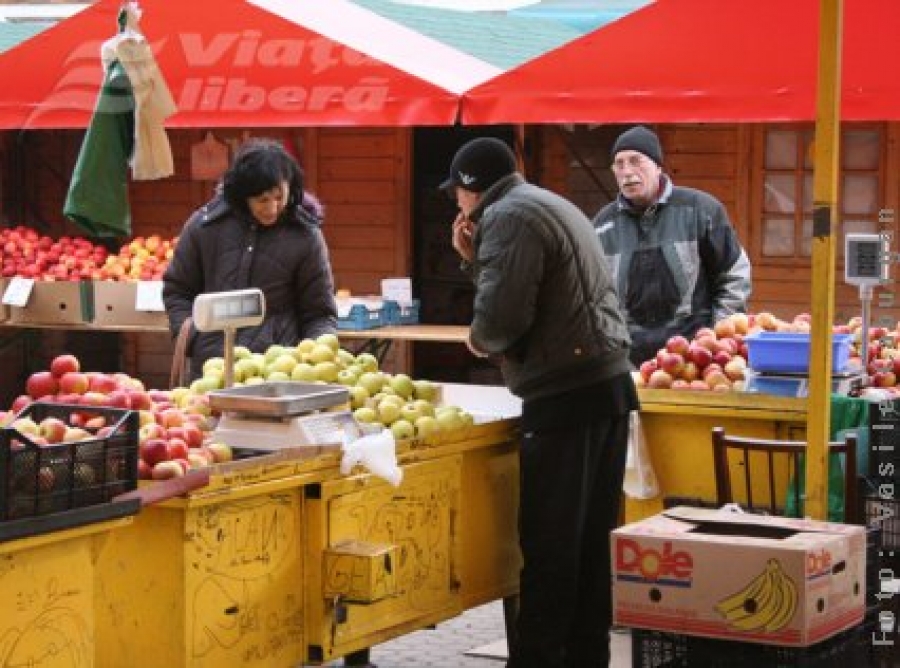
(379, 339)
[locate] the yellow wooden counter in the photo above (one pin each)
(678, 425)
(47, 589)
(245, 571)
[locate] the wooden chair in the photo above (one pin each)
(792, 451)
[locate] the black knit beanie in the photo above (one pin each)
(640, 139)
(479, 164)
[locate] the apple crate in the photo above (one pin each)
(401, 314)
(40, 479)
(56, 303)
(361, 316)
(788, 352)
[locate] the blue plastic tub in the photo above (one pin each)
(788, 352)
(397, 314)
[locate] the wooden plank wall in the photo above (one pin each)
(725, 160)
(361, 175)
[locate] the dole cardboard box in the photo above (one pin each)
(751, 578)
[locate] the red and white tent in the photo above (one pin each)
(702, 61)
(242, 63)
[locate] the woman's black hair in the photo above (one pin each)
(258, 166)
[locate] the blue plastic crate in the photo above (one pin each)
(361, 316)
(788, 352)
(397, 314)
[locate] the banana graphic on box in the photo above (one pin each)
(767, 603)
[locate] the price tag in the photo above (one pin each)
(18, 291)
(149, 296)
(398, 290)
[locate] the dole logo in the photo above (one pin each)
(651, 563)
(818, 563)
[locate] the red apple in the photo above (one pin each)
(722, 358)
(53, 429)
(699, 385)
(164, 470)
(20, 402)
(177, 448)
(95, 423)
(648, 368)
(151, 430)
(672, 364)
(690, 371)
(40, 384)
(171, 417)
(73, 382)
(678, 344)
(103, 383)
(119, 398)
(724, 328)
(699, 355)
(140, 400)
(193, 435)
(154, 450)
(221, 452)
(63, 364)
(144, 470)
(659, 379)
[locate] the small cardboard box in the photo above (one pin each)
(115, 304)
(56, 302)
(752, 578)
(359, 571)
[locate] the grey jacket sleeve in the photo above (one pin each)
(728, 267)
(183, 279)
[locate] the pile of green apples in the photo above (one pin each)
(409, 408)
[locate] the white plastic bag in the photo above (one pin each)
(640, 479)
(376, 452)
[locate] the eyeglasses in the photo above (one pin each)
(633, 161)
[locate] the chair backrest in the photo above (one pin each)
(770, 449)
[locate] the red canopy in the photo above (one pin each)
(702, 61)
(228, 63)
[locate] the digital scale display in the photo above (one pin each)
(229, 310)
(866, 259)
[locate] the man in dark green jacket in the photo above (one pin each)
(546, 309)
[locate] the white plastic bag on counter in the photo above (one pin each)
(640, 479)
(377, 453)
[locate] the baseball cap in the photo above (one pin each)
(479, 164)
(640, 139)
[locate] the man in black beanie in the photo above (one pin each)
(546, 309)
(675, 257)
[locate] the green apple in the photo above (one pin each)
(241, 352)
(346, 377)
(273, 352)
(426, 426)
(425, 407)
(367, 361)
(305, 346)
(321, 353)
(388, 412)
(365, 414)
(403, 429)
(326, 371)
(402, 385)
(410, 412)
(277, 376)
(304, 372)
(284, 362)
(448, 418)
(330, 340)
(425, 389)
(371, 381)
(358, 396)
(213, 363)
(345, 358)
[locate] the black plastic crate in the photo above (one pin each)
(657, 649)
(39, 479)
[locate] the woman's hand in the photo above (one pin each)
(463, 230)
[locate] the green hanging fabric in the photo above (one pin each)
(97, 200)
(847, 414)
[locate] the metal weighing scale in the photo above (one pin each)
(273, 415)
(281, 414)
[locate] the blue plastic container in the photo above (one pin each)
(362, 317)
(397, 314)
(788, 352)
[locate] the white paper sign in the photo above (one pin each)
(18, 291)
(398, 290)
(149, 296)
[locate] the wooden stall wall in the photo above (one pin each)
(727, 161)
(361, 176)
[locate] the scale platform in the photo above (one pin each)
(797, 384)
(282, 414)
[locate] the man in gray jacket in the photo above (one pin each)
(546, 309)
(677, 262)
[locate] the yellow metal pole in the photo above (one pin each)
(825, 189)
